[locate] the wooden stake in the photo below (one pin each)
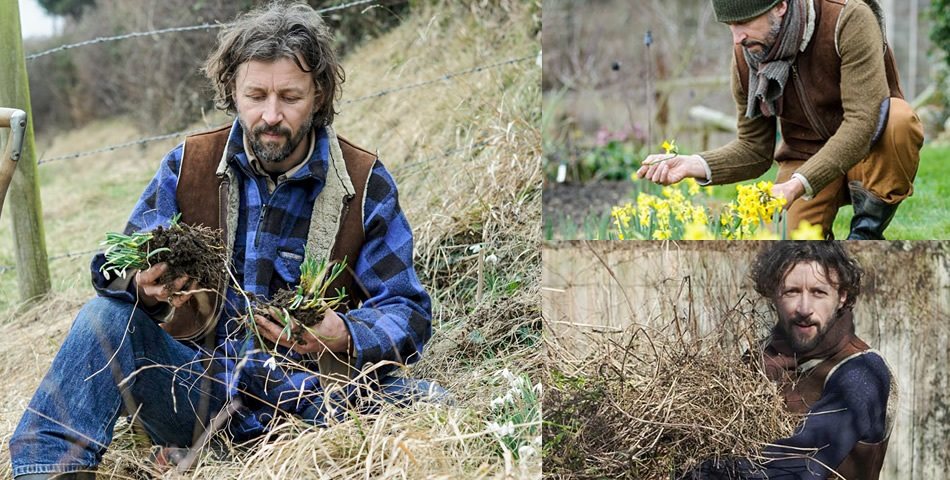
(24, 196)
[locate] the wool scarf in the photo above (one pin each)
(767, 78)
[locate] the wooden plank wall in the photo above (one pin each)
(593, 291)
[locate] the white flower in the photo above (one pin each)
(491, 259)
(497, 402)
(475, 248)
(501, 430)
(507, 375)
(526, 451)
(271, 363)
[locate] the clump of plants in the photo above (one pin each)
(756, 214)
(301, 308)
(658, 405)
(194, 251)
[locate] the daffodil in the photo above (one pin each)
(692, 186)
(807, 231)
(697, 231)
(669, 146)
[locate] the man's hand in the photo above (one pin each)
(151, 292)
(790, 190)
(667, 169)
(330, 334)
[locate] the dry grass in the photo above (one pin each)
(656, 404)
(466, 155)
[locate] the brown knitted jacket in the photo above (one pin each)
(842, 77)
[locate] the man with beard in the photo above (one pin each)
(844, 389)
(824, 69)
(281, 186)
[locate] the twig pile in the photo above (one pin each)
(655, 407)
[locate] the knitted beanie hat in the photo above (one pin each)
(737, 11)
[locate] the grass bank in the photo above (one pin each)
(465, 152)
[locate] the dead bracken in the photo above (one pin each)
(656, 406)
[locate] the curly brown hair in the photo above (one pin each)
(269, 33)
(776, 259)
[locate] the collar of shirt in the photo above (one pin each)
(259, 170)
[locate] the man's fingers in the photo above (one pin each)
(151, 274)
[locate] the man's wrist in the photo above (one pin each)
(703, 170)
(807, 192)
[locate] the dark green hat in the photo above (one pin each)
(738, 11)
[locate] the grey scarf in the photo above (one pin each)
(767, 78)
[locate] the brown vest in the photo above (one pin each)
(801, 391)
(202, 197)
(811, 109)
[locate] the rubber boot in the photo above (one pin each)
(871, 214)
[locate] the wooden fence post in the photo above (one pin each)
(24, 195)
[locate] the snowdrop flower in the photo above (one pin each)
(271, 363)
(501, 430)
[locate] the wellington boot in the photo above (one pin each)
(871, 214)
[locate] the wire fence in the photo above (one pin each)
(399, 169)
(189, 28)
(447, 77)
(382, 93)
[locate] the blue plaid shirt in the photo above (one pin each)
(393, 324)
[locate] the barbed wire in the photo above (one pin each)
(443, 78)
(381, 93)
(118, 146)
(398, 169)
(6, 268)
(189, 28)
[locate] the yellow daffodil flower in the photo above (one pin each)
(807, 231)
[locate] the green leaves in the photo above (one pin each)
(315, 280)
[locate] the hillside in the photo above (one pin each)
(465, 152)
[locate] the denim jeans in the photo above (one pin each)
(104, 369)
(69, 422)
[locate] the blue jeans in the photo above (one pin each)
(69, 422)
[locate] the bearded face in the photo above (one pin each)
(275, 101)
(808, 303)
(760, 48)
(274, 143)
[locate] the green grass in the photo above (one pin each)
(924, 216)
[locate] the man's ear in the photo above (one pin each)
(842, 298)
(781, 8)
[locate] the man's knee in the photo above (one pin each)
(903, 125)
(107, 319)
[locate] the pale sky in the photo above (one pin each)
(34, 21)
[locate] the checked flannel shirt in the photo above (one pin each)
(393, 324)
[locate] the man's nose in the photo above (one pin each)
(738, 34)
(272, 114)
(804, 306)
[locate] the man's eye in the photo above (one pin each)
(291, 99)
(255, 98)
